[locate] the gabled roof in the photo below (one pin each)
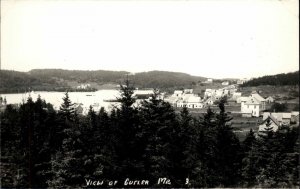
(266, 115)
(277, 115)
(194, 99)
(286, 115)
(252, 101)
(244, 98)
(272, 119)
(237, 94)
(258, 97)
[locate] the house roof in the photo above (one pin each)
(258, 97)
(286, 115)
(243, 98)
(251, 101)
(266, 115)
(141, 92)
(237, 94)
(272, 119)
(278, 115)
(295, 113)
(194, 99)
(178, 92)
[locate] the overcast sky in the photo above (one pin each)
(217, 39)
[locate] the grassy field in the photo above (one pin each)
(241, 125)
(267, 90)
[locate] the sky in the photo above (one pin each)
(216, 38)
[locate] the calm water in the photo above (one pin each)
(96, 99)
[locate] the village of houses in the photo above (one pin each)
(252, 110)
(249, 111)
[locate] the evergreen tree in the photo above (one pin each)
(27, 141)
(10, 148)
(67, 110)
(68, 163)
(249, 141)
(157, 131)
(228, 153)
(187, 165)
(126, 131)
(250, 162)
(206, 150)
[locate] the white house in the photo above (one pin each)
(180, 104)
(282, 118)
(241, 81)
(260, 99)
(269, 99)
(225, 83)
(208, 92)
(219, 93)
(188, 91)
(194, 102)
(274, 124)
(209, 101)
(250, 106)
(190, 101)
(236, 95)
(208, 81)
(83, 86)
(178, 93)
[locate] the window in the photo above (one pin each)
(247, 106)
(254, 106)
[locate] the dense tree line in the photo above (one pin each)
(279, 79)
(41, 147)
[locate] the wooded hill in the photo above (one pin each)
(291, 78)
(59, 80)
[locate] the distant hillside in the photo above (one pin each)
(60, 80)
(101, 76)
(13, 81)
(279, 79)
(163, 79)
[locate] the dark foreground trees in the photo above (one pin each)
(44, 148)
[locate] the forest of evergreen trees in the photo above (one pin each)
(279, 79)
(41, 147)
